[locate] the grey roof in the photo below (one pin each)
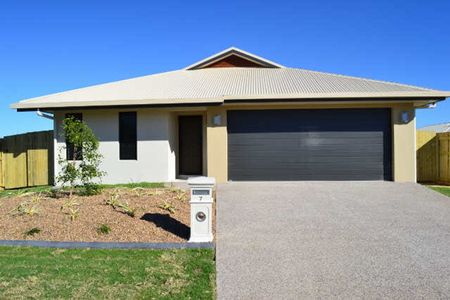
(216, 85)
(443, 127)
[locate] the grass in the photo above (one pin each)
(24, 191)
(43, 189)
(441, 189)
(43, 273)
(145, 185)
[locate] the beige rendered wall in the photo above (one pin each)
(403, 138)
(404, 144)
(217, 145)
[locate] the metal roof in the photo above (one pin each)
(443, 127)
(216, 85)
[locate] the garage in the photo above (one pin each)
(309, 144)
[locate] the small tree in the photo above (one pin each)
(83, 167)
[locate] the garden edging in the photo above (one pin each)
(105, 245)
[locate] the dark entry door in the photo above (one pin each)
(190, 133)
(328, 144)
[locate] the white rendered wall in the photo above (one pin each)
(156, 135)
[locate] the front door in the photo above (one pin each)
(190, 134)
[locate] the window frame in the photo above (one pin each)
(127, 141)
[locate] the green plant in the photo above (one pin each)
(174, 190)
(73, 213)
(55, 193)
(167, 207)
(32, 231)
(138, 191)
(113, 199)
(86, 170)
(116, 204)
(70, 208)
(154, 192)
(91, 189)
(180, 195)
(104, 229)
(28, 207)
(127, 209)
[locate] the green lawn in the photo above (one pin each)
(44, 273)
(441, 189)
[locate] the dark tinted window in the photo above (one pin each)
(71, 152)
(128, 135)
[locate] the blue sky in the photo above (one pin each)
(52, 46)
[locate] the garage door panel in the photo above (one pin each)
(262, 145)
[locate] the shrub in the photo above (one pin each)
(138, 191)
(86, 170)
(70, 208)
(113, 200)
(180, 195)
(118, 205)
(167, 207)
(104, 229)
(127, 209)
(91, 189)
(28, 207)
(32, 231)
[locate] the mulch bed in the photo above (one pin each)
(53, 216)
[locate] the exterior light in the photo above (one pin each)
(217, 120)
(405, 117)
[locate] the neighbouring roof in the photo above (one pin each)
(217, 79)
(443, 127)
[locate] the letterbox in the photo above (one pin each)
(201, 208)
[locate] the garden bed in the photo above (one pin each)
(117, 214)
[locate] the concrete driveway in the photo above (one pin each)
(332, 240)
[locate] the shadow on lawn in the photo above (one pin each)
(166, 222)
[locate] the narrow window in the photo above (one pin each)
(128, 135)
(71, 152)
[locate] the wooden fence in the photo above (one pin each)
(433, 157)
(26, 160)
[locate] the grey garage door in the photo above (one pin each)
(313, 144)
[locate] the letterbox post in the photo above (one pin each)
(201, 209)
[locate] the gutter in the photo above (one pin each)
(44, 115)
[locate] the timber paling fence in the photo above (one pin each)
(26, 160)
(433, 157)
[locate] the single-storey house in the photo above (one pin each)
(237, 116)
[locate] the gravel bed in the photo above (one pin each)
(53, 217)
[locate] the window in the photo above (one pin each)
(69, 146)
(128, 135)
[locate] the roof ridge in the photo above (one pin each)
(232, 51)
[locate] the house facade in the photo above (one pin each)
(237, 116)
